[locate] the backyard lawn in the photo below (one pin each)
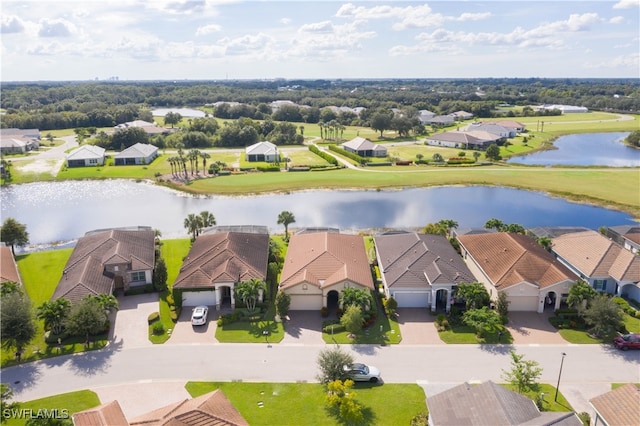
(72, 402)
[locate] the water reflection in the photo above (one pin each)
(62, 211)
(592, 149)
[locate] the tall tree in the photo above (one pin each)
(16, 322)
(286, 218)
(207, 218)
(249, 292)
(331, 362)
(53, 313)
(493, 152)
(14, 234)
(193, 225)
(172, 118)
(283, 302)
(474, 294)
(350, 296)
(523, 374)
(603, 315)
(580, 294)
(86, 318)
(380, 122)
(160, 275)
(496, 224)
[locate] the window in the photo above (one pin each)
(600, 285)
(93, 161)
(138, 276)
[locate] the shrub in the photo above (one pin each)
(328, 158)
(153, 317)
(585, 418)
(268, 168)
(382, 163)
(442, 323)
(324, 312)
(158, 329)
(390, 306)
(335, 328)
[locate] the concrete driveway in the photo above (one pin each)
(183, 332)
(417, 327)
(131, 327)
(531, 328)
(303, 327)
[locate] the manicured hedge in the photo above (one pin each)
(269, 168)
(327, 157)
(382, 163)
(460, 160)
(351, 155)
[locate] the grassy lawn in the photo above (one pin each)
(562, 405)
(304, 158)
(303, 403)
(464, 334)
(384, 331)
(576, 336)
(72, 402)
(251, 332)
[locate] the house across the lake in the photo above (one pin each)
(364, 148)
(139, 153)
(262, 151)
(86, 155)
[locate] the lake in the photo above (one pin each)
(185, 112)
(62, 211)
(590, 149)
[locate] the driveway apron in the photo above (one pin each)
(183, 332)
(131, 327)
(528, 328)
(417, 327)
(303, 327)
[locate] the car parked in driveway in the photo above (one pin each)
(199, 315)
(627, 341)
(362, 373)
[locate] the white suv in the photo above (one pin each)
(199, 315)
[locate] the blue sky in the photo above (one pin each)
(226, 39)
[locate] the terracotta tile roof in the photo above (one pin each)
(420, 260)
(8, 267)
(110, 414)
(508, 259)
(84, 272)
(324, 259)
(595, 255)
(211, 409)
(224, 257)
(619, 407)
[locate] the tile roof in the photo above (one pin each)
(86, 151)
(490, 404)
(361, 144)
(8, 267)
(508, 259)
(619, 407)
(224, 257)
(211, 409)
(420, 260)
(597, 256)
(264, 147)
(110, 414)
(324, 259)
(84, 272)
(138, 150)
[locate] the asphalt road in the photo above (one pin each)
(583, 365)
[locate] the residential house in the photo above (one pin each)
(8, 267)
(462, 115)
(491, 404)
(19, 140)
(212, 408)
(457, 139)
(420, 270)
(600, 261)
(217, 262)
(139, 153)
(149, 128)
(565, 109)
(532, 278)
(86, 155)
(262, 151)
(493, 128)
(440, 120)
(511, 124)
(425, 115)
(364, 148)
(107, 260)
(626, 235)
(619, 407)
(318, 266)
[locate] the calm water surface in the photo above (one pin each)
(592, 149)
(63, 211)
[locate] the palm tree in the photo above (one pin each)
(448, 225)
(476, 155)
(249, 292)
(286, 218)
(207, 219)
(355, 296)
(204, 156)
(193, 225)
(108, 302)
(53, 313)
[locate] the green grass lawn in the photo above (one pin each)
(251, 332)
(305, 158)
(384, 331)
(72, 402)
(632, 324)
(464, 334)
(304, 403)
(562, 405)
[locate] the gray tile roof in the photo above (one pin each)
(139, 150)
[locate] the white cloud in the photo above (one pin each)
(616, 20)
(247, 44)
(56, 28)
(631, 61)
(473, 16)
(208, 29)
(179, 7)
(626, 4)
(409, 17)
(285, 21)
(11, 25)
(317, 27)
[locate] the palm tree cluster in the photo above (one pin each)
(195, 223)
(179, 163)
(331, 130)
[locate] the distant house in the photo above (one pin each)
(139, 153)
(318, 266)
(425, 115)
(619, 407)
(149, 128)
(364, 148)
(8, 267)
(626, 235)
(107, 260)
(601, 262)
(532, 278)
(440, 120)
(19, 140)
(458, 139)
(86, 155)
(565, 109)
(493, 128)
(262, 151)
(217, 262)
(420, 270)
(462, 115)
(511, 124)
(491, 404)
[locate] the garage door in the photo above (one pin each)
(412, 299)
(305, 303)
(523, 303)
(197, 298)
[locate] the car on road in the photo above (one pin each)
(362, 373)
(627, 341)
(199, 315)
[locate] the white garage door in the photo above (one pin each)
(197, 298)
(305, 303)
(412, 300)
(523, 303)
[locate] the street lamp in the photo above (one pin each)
(559, 374)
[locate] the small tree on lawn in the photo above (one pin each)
(523, 374)
(484, 320)
(286, 218)
(53, 313)
(331, 362)
(355, 296)
(580, 294)
(342, 401)
(352, 319)
(390, 306)
(14, 234)
(603, 315)
(86, 318)
(160, 275)
(474, 294)
(249, 292)
(283, 301)
(17, 327)
(503, 305)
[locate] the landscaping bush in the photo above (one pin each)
(442, 323)
(324, 312)
(383, 163)
(299, 169)
(153, 317)
(459, 160)
(268, 168)
(625, 306)
(328, 158)
(158, 329)
(351, 155)
(404, 163)
(336, 327)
